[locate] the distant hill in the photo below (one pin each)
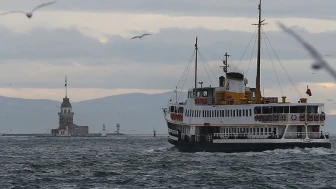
(135, 111)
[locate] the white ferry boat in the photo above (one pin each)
(236, 118)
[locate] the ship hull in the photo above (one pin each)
(243, 147)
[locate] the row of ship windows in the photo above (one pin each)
(251, 131)
(219, 113)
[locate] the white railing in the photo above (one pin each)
(290, 117)
(311, 135)
(229, 135)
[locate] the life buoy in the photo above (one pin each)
(310, 117)
(302, 117)
(256, 118)
(265, 117)
(316, 117)
(322, 117)
(283, 117)
(293, 117)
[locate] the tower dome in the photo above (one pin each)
(66, 103)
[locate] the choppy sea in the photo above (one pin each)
(148, 162)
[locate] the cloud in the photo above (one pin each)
(170, 45)
(41, 58)
(237, 8)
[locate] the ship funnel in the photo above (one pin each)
(303, 100)
(283, 99)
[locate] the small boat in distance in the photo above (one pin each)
(103, 134)
(236, 118)
(154, 132)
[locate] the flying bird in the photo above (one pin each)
(28, 14)
(319, 61)
(141, 36)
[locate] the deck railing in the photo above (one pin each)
(288, 135)
(290, 117)
(302, 135)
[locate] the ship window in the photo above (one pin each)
(180, 109)
(286, 109)
(172, 108)
(257, 131)
(218, 113)
(269, 130)
(267, 109)
(261, 131)
(203, 113)
(278, 109)
(254, 133)
(257, 110)
(266, 131)
(243, 112)
(297, 109)
(234, 113)
(246, 113)
(312, 109)
(213, 113)
(205, 93)
(199, 113)
(250, 112)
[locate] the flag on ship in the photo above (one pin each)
(308, 91)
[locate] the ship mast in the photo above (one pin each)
(260, 23)
(196, 48)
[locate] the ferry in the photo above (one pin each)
(233, 117)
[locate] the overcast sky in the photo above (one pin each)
(89, 41)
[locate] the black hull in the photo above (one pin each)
(242, 147)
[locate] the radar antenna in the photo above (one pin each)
(225, 67)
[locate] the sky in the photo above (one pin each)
(89, 42)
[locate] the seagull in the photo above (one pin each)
(141, 36)
(319, 61)
(28, 14)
